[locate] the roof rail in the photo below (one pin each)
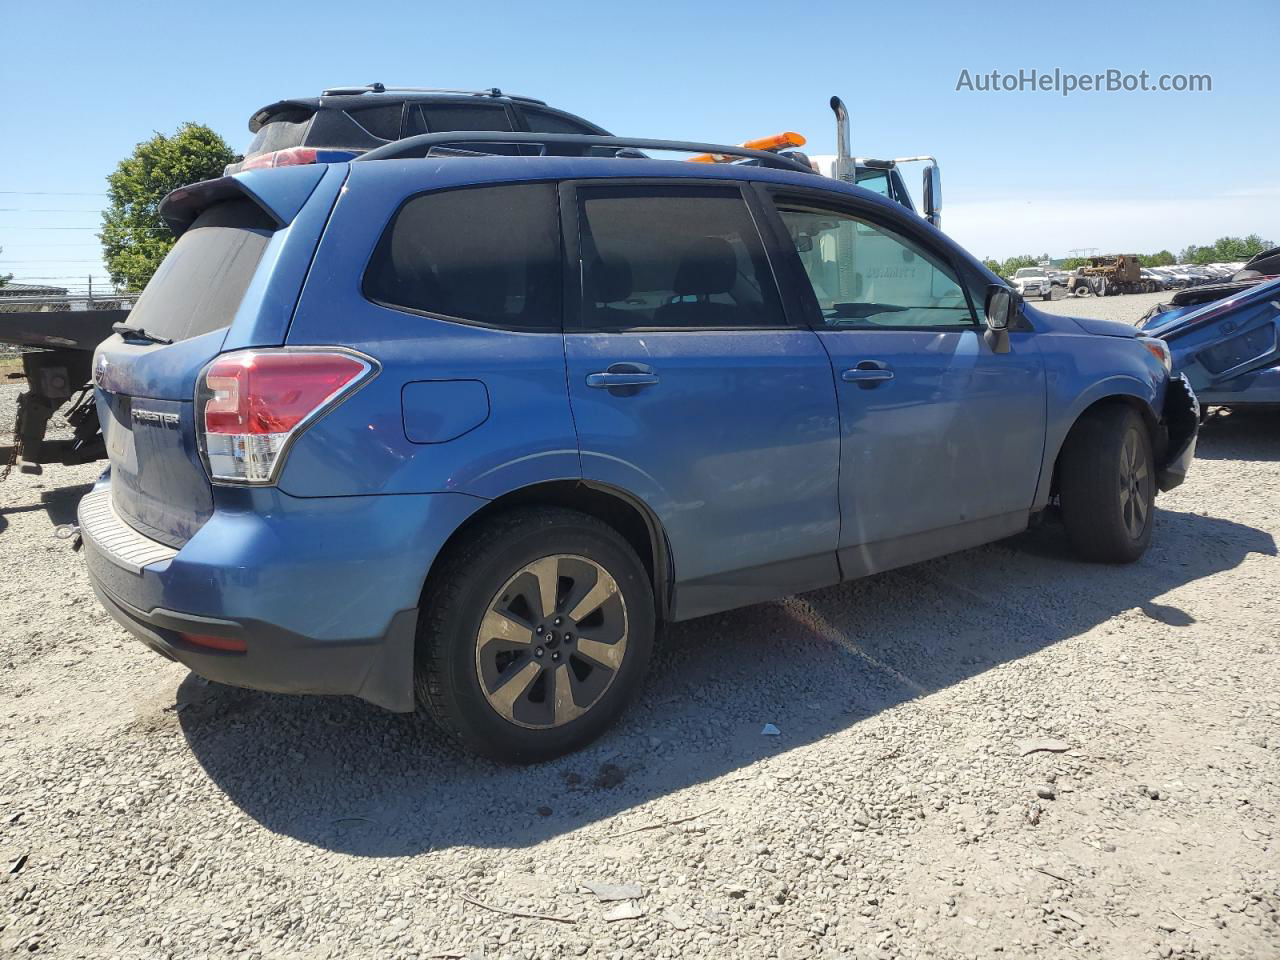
(422, 145)
(383, 88)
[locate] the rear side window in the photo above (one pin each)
(200, 284)
(673, 258)
(487, 255)
(381, 120)
(543, 121)
(285, 129)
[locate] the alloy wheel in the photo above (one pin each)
(552, 641)
(1135, 502)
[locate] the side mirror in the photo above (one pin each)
(1000, 307)
(933, 195)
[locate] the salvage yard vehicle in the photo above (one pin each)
(1108, 276)
(57, 341)
(1236, 279)
(344, 122)
(1032, 282)
(1229, 348)
(461, 432)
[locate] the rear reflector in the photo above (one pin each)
(225, 644)
(250, 404)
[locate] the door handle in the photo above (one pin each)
(868, 373)
(623, 375)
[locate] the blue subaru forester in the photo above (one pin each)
(462, 431)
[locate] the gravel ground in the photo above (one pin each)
(896, 813)
(1126, 308)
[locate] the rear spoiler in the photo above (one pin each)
(281, 193)
(293, 107)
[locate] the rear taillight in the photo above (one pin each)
(252, 403)
(295, 157)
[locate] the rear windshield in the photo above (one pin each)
(201, 282)
(286, 129)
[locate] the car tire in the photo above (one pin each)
(1107, 486)
(511, 680)
(1047, 295)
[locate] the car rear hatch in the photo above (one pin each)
(231, 281)
(1223, 339)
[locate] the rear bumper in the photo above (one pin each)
(1181, 421)
(378, 670)
(322, 593)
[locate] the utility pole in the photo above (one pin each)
(91, 286)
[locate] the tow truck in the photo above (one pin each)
(879, 176)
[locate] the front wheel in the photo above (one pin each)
(535, 634)
(1106, 486)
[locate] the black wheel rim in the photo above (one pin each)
(1135, 495)
(551, 642)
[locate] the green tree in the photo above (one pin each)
(4, 277)
(1162, 259)
(134, 237)
(991, 264)
(1013, 264)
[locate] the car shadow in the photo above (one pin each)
(59, 503)
(346, 776)
(1248, 434)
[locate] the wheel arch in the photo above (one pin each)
(1120, 400)
(625, 513)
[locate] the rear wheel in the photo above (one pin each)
(535, 634)
(1107, 486)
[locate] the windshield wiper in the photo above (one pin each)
(137, 333)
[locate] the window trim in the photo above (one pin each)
(776, 195)
(557, 329)
(575, 290)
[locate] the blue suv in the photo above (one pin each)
(462, 431)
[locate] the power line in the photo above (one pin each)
(46, 210)
(47, 193)
(84, 227)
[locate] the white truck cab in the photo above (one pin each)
(1033, 281)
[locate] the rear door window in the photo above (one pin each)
(448, 117)
(673, 258)
(452, 117)
(381, 120)
(200, 284)
(544, 121)
(486, 255)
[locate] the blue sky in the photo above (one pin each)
(1023, 172)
